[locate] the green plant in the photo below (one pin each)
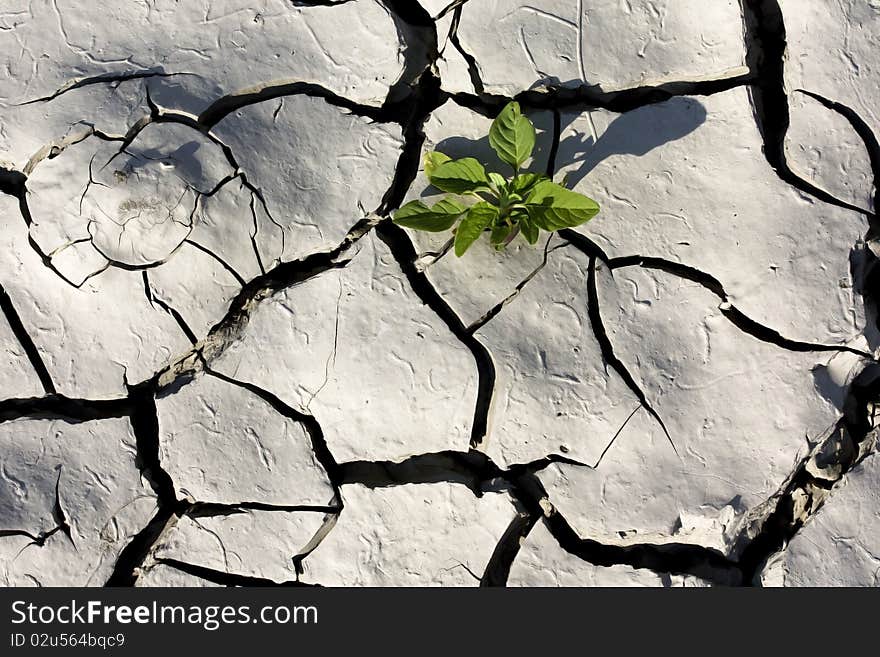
(526, 203)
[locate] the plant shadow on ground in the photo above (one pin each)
(633, 133)
(637, 132)
(184, 159)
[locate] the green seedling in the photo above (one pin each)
(479, 202)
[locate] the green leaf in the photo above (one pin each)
(499, 234)
(512, 135)
(478, 219)
(441, 216)
(434, 159)
(529, 230)
(498, 180)
(459, 176)
(524, 182)
(553, 207)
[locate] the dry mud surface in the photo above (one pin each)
(222, 364)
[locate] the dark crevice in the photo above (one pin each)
(426, 97)
(310, 424)
(319, 3)
(685, 272)
(869, 287)
(45, 258)
(584, 98)
(430, 258)
(229, 268)
(105, 78)
(254, 245)
(181, 322)
(850, 442)
(35, 539)
(55, 148)
(455, 4)
(224, 578)
(872, 146)
(536, 465)
(282, 276)
(137, 127)
(554, 144)
(414, 96)
(770, 336)
(585, 245)
(497, 308)
(411, 12)
(24, 339)
(765, 55)
(145, 425)
(12, 182)
(472, 469)
(404, 253)
(472, 65)
(226, 105)
(615, 436)
(132, 557)
(59, 407)
(214, 509)
(418, 38)
(497, 571)
(6, 533)
(869, 277)
(673, 558)
(733, 314)
(288, 274)
(766, 41)
(481, 475)
(58, 515)
(608, 356)
(89, 184)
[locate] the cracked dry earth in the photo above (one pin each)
(223, 364)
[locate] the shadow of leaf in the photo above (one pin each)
(637, 132)
(634, 133)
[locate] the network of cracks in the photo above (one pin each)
(283, 387)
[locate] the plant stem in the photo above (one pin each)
(512, 234)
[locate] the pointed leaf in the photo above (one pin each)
(478, 219)
(498, 180)
(529, 230)
(439, 217)
(459, 176)
(434, 159)
(524, 182)
(512, 135)
(553, 207)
